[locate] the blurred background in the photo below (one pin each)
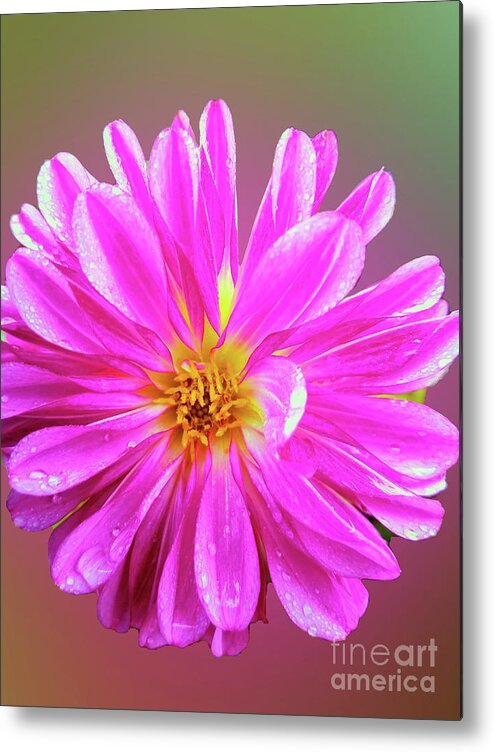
(385, 78)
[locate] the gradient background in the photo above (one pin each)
(385, 78)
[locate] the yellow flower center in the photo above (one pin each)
(206, 401)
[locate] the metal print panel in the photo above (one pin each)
(230, 385)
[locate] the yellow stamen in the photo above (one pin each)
(205, 399)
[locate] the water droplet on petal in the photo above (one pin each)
(37, 474)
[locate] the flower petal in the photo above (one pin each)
(322, 604)
(323, 525)
(229, 643)
(411, 438)
(90, 553)
(402, 359)
(326, 148)
(226, 558)
(60, 181)
(174, 182)
(43, 298)
(398, 299)
(288, 199)
(277, 386)
(293, 180)
(128, 164)
(218, 144)
(26, 388)
(34, 513)
(121, 255)
(371, 203)
(306, 272)
(31, 230)
(181, 616)
(351, 474)
(54, 459)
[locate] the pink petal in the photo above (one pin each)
(60, 181)
(181, 122)
(90, 552)
(326, 148)
(98, 373)
(34, 513)
(293, 180)
(54, 459)
(128, 164)
(128, 598)
(114, 606)
(218, 144)
(289, 197)
(278, 388)
(181, 616)
(371, 203)
(323, 525)
(44, 300)
(351, 473)
(174, 181)
(209, 237)
(226, 558)
(118, 334)
(88, 407)
(300, 452)
(68, 312)
(121, 255)
(306, 272)
(397, 360)
(320, 603)
(396, 300)
(150, 549)
(10, 314)
(413, 287)
(31, 230)
(26, 388)
(229, 643)
(411, 438)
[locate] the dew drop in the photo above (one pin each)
(37, 474)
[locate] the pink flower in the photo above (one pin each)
(194, 430)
